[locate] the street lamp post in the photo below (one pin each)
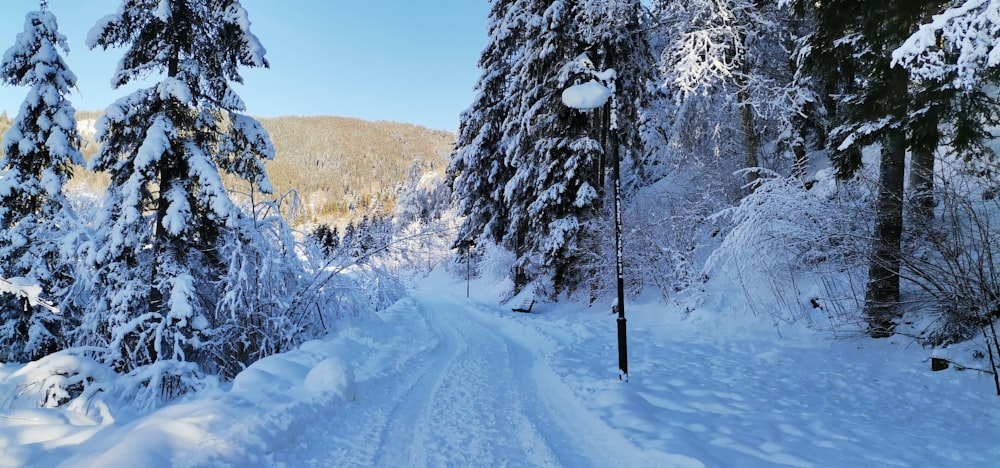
(619, 268)
(600, 92)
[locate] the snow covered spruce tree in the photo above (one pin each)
(614, 38)
(956, 50)
(852, 43)
(39, 150)
(954, 58)
(479, 171)
(530, 173)
(159, 257)
(552, 195)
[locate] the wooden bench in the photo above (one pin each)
(525, 306)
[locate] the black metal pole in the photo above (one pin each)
(622, 341)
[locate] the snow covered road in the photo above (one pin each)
(439, 379)
(470, 404)
(479, 398)
(467, 406)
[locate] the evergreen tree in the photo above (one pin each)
(552, 195)
(853, 42)
(478, 171)
(576, 151)
(949, 59)
(39, 150)
(167, 216)
(529, 172)
(370, 236)
(327, 238)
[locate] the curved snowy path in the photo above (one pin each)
(443, 380)
(480, 397)
(475, 401)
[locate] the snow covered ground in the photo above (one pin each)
(442, 380)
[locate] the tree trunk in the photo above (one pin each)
(882, 293)
(800, 165)
(751, 140)
(799, 121)
(167, 174)
(926, 138)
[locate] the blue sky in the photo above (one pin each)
(400, 60)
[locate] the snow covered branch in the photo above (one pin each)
(23, 288)
(959, 44)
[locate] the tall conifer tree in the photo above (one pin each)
(853, 42)
(166, 208)
(478, 170)
(39, 150)
(552, 195)
(530, 173)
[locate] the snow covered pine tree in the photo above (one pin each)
(530, 171)
(479, 170)
(166, 210)
(853, 42)
(39, 149)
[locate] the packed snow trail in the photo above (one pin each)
(479, 398)
(468, 406)
(439, 379)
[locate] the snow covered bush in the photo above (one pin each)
(345, 282)
(800, 249)
(73, 381)
(339, 289)
(663, 230)
(64, 379)
(953, 259)
(668, 225)
(251, 320)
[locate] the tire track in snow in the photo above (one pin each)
(498, 403)
(351, 433)
(468, 411)
(481, 394)
(579, 436)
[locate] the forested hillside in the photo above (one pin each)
(342, 164)
(337, 165)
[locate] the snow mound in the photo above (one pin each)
(332, 375)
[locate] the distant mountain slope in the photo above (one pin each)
(335, 164)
